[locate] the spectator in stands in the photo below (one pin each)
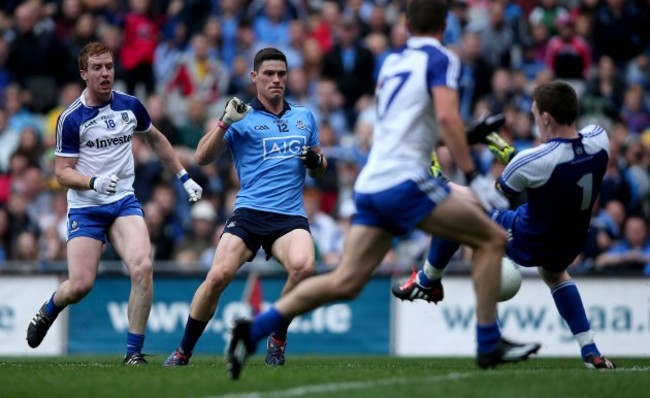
(605, 229)
(5, 237)
(635, 113)
(27, 247)
(568, 55)
(350, 64)
(192, 129)
(141, 35)
(632, 253)
(189, 250)
(36, 60)
(157, 107)
(198, 75)
(66, 17)
(547, 13)
(497, 36)
(605, 88)
(618, 31)
(323, 226)
(8, 141)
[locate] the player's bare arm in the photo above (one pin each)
(452, 127)
(161, 146)
(212, 141)
(67, 176)
(210, 144)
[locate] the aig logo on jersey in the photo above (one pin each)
(283, 147)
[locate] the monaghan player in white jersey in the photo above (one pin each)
(416, 100)
(94, 161)
(562, 179)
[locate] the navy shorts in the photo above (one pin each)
(94, 222)
(261, 228)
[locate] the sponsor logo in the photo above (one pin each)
(262, 127)
(90, 124)
(101, 143)
(283, 147)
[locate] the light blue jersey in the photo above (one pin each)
(265, 149)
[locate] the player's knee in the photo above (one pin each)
(302, 269)
(218, 278)
(142, 269)
(79, 289)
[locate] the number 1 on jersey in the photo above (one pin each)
(586, 183)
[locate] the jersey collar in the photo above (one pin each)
(257, 105)
(82, 98)
(420, 41)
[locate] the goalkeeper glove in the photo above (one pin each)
(499, 148)
(483, 127)
(436, 169)
(235, 111)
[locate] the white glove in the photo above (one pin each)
(194, 190)
(106, 185)
(488, 194)
(235, 111)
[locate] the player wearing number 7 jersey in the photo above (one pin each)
(417, 100)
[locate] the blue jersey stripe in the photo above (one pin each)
(527, 159)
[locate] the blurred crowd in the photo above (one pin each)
(185, 58)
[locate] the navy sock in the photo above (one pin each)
(441, 251)
(488, 336)
(266, 322)
(569, 305)
(52, 309)
(134, 343)
(193, 330)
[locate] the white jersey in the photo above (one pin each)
(406, 129)
(100, 138)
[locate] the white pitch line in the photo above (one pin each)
(339, 387)
(302, 391)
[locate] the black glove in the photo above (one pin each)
(485, 125)
(310, 158)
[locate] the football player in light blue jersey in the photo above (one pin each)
(562, 179)
(417, 98)
(272, 143)
(94, 161)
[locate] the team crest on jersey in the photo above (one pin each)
(125, 117)
(301, 125)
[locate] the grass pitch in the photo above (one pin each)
(303, 376)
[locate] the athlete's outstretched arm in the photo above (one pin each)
(161, 146)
